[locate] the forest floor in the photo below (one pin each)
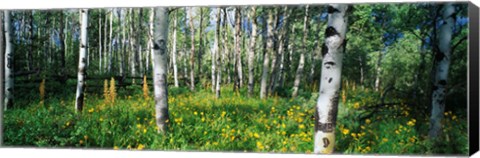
(199, 122)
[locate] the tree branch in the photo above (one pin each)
(458, 43)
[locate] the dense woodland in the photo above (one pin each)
(363, 78)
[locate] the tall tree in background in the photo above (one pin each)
(82, 60)
(266, 55)
(442, 64)
(174, 49)
(2, 63)
(221, 57)
(327, 103)
(238, 52)
(301, 63)
(215, 51)
(8, 60)
(251, 51)
(160, 55)
(192, 51)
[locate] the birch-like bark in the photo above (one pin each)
(160, 69)
(200, 43)
(32, 39)
(251, 51)
(276, 69)
(266, 56)
(174, 50)
(327, 103)
(124, 44)
(219, 58)
(225, 56)
(215, 51)
(150, 41)
(192, 51)
(301, 63)
(8, 60)
(2, 77)
(105, 46)
(110, 44)
(442, 64)
(82, 59)
(238, 52)
(100, 43)
(378, 71)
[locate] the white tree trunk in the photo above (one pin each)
(160, 70)
(301, 63)
(378, 71)
(150, 41)
(215, 51)
(174, 50)
(327, 103)
(442, 63)
(110, 54)
(251, 51)
(266, 56)
(220, 58)
(2, 64)
(100, 44)
(81, 62)
(192, 51)
(238, 52)
(8, 61)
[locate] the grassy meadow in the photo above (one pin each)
(199, 122)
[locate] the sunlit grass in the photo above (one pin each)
(232, 123)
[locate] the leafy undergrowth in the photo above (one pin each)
(199, 122)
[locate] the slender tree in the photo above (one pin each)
(2, 76)
(238, 52)
(442, 64)
(174, 49)
(266, 55)
(215, 52)
(110, 43)
(327, 103)
(301, 63)
(251, 51)
(192, 51)
(82, 59)
(160, 69)
(8, 60)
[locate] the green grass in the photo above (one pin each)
(199, 122)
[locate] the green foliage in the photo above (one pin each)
(232, 123)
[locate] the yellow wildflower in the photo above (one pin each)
(260, 145)
(356, 105)
(368, 121)
(256, 135)
(385, 140)
(301, 126)
(345, 131)
(140, 147)
(115, 147)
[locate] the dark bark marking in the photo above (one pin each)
(332, 114)
(330, 31)
(329, 64)
(442, 82)
(439, 56)
(332, 10)
(330, 80)
(326, 142)
(324, 49)
(344, 45)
